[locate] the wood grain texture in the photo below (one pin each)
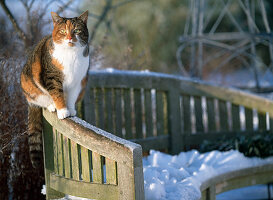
(127, 155)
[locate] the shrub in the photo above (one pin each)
(258, 145)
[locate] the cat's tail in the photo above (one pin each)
(35, 136)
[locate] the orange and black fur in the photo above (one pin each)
(55, 76)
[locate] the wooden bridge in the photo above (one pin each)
(157, 111)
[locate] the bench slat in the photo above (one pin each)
(159, 113)
(148, 113)
(128, 113)
(89, 106)
(97, 168)
(187, 114)
(138, 113)
(84, 189)
(223, 115)
(75, 160)
(262, 121)
(86, 168)
(66, 148)
(211, 114)
(249, 119)
(60, 153)
(111, 171)
(100, 108)
(109, 109)
(55, 150)
(118, 113)
(198, 114)
(235, 111)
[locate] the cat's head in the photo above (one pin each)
(70, 31)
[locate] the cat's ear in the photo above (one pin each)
(84, 16)
(55, 18)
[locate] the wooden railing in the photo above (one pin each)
(158, 111)
(162, 111)
(262, 174)
(82, 160)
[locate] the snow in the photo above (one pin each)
(130, 145)
(179, 177)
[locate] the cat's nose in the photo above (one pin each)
(69, 38)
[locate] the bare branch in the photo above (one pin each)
(20, 32)
(64, 6)
(103, 15)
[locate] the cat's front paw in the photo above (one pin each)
(63, 113)
(72, 111)
(51, 108)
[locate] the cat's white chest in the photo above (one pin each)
(75, 65)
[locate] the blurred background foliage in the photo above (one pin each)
(144, 35)
(141, 34)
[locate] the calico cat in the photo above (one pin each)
(55, 75)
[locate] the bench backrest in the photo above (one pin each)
(82, 160)
(162, 111)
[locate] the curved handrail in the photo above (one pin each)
(261, 174)
(93, 138)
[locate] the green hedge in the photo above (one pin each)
(260, 145)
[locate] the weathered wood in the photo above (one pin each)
(158, 142)
(187, 87)
(109, 110)
(177, 140)
(198, 114)
(111, 171)
(60, 153)
(211, 114)
(67, 157)
(84, 189)
(55, 149)
(240, 178)
(48, 151)
(236, 123)
(118, 113)
(159, 112)
(86, 168)
(223, 115)
(148, 113)
(249, 119)
(89, 106)
(97, 168)
(138, 113)
(125, 158)
(91, 137)
(127, 155)
(262, 121)
(187, 114)
(75, 161)
(100, 108)
(128, 113)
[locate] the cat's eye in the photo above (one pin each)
(62, 31)
(77, 31)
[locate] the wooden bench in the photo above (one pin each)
(158, 111)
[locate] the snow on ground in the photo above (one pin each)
(179, 177)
